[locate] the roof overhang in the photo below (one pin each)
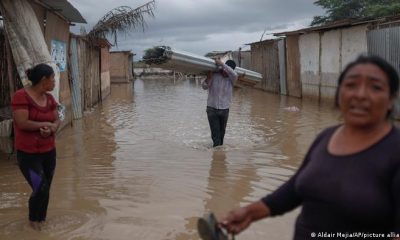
(124, 52)
(265, 41)
(64, 8)
(345, 23)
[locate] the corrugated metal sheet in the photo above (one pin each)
(282, 65)
(82, 56)
(272, 67)
(265, 60)
(344, 23)
(190, 63)
(94, 76)
(310, 65)
(257, 61)
(89, 70)
(76, 82)
(386, 43)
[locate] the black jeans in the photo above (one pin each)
(38, 170)
(217, 118)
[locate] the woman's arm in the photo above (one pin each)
(21, 118)
(56, 123)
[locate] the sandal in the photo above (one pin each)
(208, 228)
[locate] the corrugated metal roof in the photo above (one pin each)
(102, 42)
(66, 9)
(340, 24)
(121, 51)
(129, 52)
(264, 41)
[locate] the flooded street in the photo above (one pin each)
(141, 165)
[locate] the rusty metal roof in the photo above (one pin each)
(129, 52)
(64, 8)
(264, 41)
(102, 42)
(340, 24)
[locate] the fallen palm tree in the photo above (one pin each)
(121, 19)
(189, 63)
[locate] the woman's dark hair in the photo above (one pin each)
(386, 67)
(39, 71)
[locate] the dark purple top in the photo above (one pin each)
(359, 192)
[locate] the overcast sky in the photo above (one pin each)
(201, 26)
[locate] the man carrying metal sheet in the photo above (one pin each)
(220, 88)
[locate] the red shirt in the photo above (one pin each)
(32, 141)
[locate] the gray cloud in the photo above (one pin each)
(205, 25)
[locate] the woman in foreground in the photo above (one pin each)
(35, 123)
(349, 181)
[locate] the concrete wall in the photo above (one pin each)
(323, 55)
(309, 45)
(330, 63)
(119, 68)
(354, 43)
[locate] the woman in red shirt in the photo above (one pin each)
(35, 124)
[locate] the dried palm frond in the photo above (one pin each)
(121, 19)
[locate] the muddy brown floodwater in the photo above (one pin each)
(140, 165)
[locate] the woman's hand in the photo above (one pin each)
(51, 126)
(54, 127)
(45, 132)
(237, 220)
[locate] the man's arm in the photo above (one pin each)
(207, 82)
(232, 75)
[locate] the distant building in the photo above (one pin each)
(121, 69)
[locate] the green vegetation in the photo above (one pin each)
(355, 9)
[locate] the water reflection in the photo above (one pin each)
(228, 183)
